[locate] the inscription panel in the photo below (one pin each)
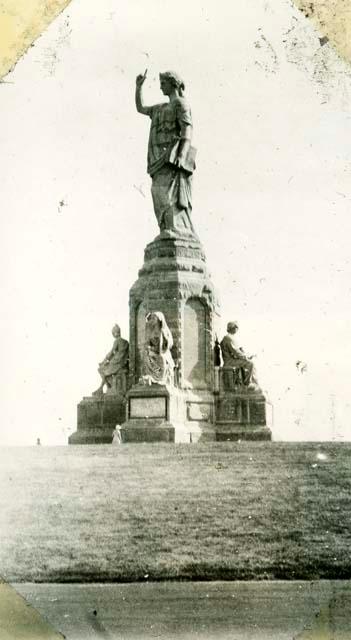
(199, 411)
(148, 407)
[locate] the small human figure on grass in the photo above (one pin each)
(117, 435)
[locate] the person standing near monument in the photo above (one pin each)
(235, 357)
(171, 158)
(116, 435)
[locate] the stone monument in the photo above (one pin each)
(177, 390)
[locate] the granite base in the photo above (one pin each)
(243, 416)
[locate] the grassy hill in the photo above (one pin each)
(138, 512)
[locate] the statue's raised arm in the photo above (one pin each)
(171, 158)
(141, 108)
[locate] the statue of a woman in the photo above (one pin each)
(158, 364)
(171, 158)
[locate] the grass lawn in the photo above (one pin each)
(138, 512)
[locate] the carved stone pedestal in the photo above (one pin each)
(242, 415)
(97, 418)
(153, 412)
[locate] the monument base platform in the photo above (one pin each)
(97, 417)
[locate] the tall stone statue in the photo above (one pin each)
(158, 364)
(171, 158)
(114, 367)
(235, 359)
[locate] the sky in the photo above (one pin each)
(271, 201)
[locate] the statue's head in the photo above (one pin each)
(232, 327)
(116, 332)
(170, 80)
(154, 318)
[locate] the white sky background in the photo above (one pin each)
(272, 193)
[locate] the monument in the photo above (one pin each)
(176, 389)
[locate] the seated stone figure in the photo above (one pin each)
(235, 359)
(114, 367)
(158, 364)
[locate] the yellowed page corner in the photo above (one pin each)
(21, 22)
(20, 621)
(333, 20)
